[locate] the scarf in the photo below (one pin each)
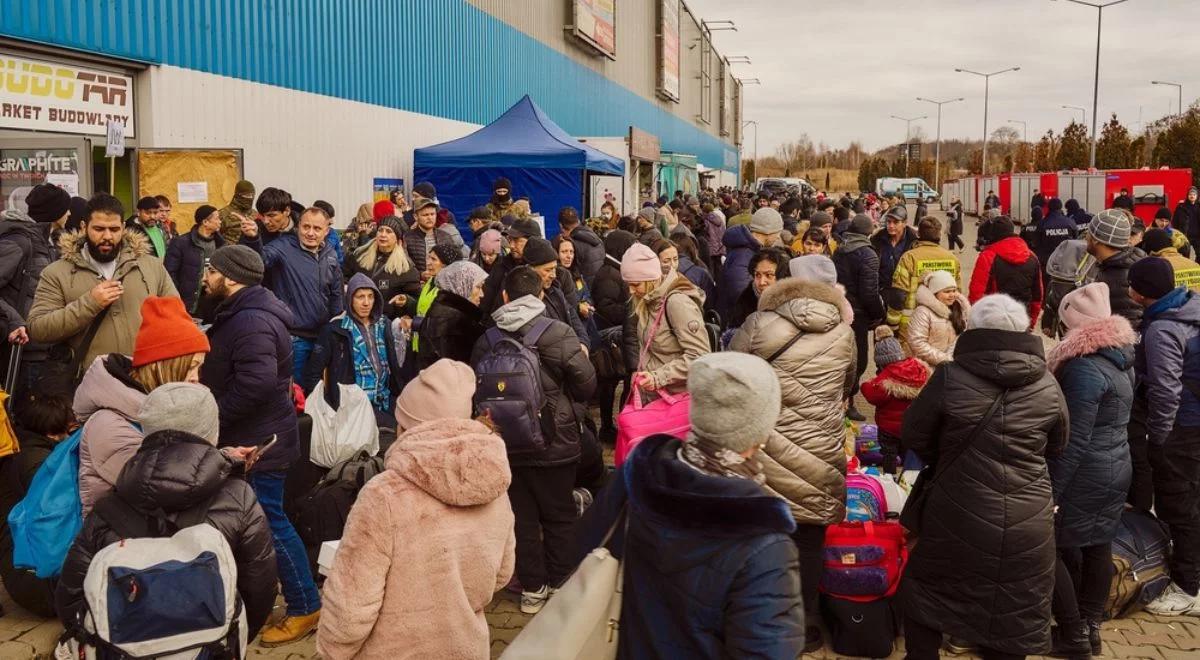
(369, 353)
(710, 458)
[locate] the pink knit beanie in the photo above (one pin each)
(1085, 305)
(442, 390)
(640, 264)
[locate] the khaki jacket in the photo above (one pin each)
(681, 336)
(804, 459)
(1187, 272)
(63, 306)
(930, 335)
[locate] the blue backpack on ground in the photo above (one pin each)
(46, 521)
(508, 384)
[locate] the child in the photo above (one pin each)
(898, 382)
(938, 319)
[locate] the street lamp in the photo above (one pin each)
(1099, 7)
(987, 80)
(1177, 86)
(1082, 112)
(744, 125)
(1024, 128)
(937, 151)
(907, 124)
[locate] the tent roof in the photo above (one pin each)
(522, 137)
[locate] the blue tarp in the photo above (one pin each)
(540, 159)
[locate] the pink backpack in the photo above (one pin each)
(668, 414)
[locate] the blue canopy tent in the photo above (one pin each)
(523, 145)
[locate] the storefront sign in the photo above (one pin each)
(594, 22)
(668, 49)
(22, 169)
(643, 145)
(48, 96)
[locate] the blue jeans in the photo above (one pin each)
(301, 349)
(299, 590)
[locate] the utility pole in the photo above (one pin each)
(1178, 87)
(937, 150)
(1096, 81)
(907, 133)
(987, 80)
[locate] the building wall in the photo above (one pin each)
(440, 58)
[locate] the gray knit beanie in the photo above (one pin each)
(887, 348)
(239, 263)
(184, 407)
(735, 399)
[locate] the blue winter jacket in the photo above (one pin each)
(309, 284)
(710, 569)
(1168, 363)
(249, 371)
(740, 246)
(700, 276)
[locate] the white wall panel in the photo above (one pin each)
(316, 147)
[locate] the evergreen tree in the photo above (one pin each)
(1073, 147)
(1114, 148)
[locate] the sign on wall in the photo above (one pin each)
(37, 95)
(668, 49)
(594, 23)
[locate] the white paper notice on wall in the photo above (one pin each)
(192, 192)
(67, 181)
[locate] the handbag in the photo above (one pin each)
(608, 358)
(667, 414)
(918, 497)
(581, 621)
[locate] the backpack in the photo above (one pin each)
(866, 445)
(608, 358)
(167, 588)
(508, 384)
(865, 499)
(44, 523)
(321, 514)
(1139, 553)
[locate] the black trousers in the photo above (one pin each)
(1141, 489)
(810, 539)
(861, 340)
(545, 517)
(955, 239)
(923, 643)
(1176, 466)
(1082, 577)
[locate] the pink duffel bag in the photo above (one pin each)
(667, 414)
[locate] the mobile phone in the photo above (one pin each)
(260, 449)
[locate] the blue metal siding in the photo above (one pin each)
(439, 57)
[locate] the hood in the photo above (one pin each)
(106, 385)
(1013, 249)
(739, 236)
(810, 306)
(1055, 204)
(1123, 259)
(255, 297)
(134, 245)
(582, 234)
(1066, 259)
(852, 241)
(1008, 359)
(361, 281)
(459, 462)
(514, 315)
(676, 283)
(1114, 332)
(617, 242)
(14, 217)
(678, 503)
(904, 379)
(1181, 305)
(1072, 207)
(926, 298)
(172, 470)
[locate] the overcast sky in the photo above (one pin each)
(836, 69)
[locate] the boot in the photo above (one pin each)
(854, 414)
(813, 640)
(290, 629)
(1094, 636)
(1071, 641)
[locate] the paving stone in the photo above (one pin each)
(16, 651)
(1126, 651)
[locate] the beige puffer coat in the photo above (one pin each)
(805, 459)
(681, 335)
(63, 306)
(929, 335)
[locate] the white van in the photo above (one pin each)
(909, 188)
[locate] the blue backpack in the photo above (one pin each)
(508, 384)
(45, 522)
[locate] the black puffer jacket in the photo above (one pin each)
(568, 378)
(185, 264)
(24, 251)
(589, 252)
(451, 327)
(1114, 271)
(983, 569)
(176, 472)
(858, 272)
(609, 291)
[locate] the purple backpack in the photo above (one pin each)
(508, 384)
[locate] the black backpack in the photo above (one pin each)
(321, 514)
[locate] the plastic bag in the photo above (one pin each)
(339, 434)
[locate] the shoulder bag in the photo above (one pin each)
(667, 414)
(914, 507)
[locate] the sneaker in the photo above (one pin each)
(855, 415)
(290, 629)
(958, 646)
(1173, 602)
(532, 602)
(583, 500)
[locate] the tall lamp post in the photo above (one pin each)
(1082, 113)
(1177, 86)
(1099, 7)
(937, 150)
(907, 125)
(987, 80)
(745, 124)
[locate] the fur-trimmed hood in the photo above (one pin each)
(810, 306)
(926, 298)
(134, 245)
(457, 461)
(904, 379)
(1112, 332)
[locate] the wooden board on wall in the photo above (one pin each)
(160, 171)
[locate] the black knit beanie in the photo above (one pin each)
(47, 202)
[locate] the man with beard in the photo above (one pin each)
(240, 208)
(502, 200)
(103, 276)
(249, 371)
(518, 235)
(147, 221)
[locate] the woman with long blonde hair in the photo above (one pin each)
(386, 262)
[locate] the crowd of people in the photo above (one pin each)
(499, 360)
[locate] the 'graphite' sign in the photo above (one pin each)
(49, 96)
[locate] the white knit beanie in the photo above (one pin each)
(938, 280)
(998, 312)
